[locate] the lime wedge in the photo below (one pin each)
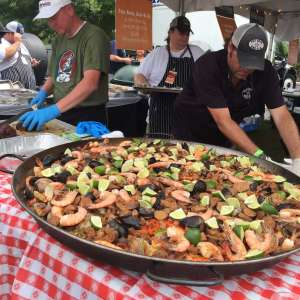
(244, 224)
(211, 184)
(127, 165)
(178, 214)
(68, 152)
(103, 185)
(72, 170)
(197, 166)
(212, 223)
(130, 188)
(193, 235)
(143, 173)
(189, 186)
(268, 208)
(226, 210)
(256, 226)
(71, 184)
(83, 188)
(218, 194)
(239, 231)
(100, 170)
(204, 200)
(83, 178)
(96, 222)
(88, 169)
(149, 192)
(48, 172)
(254, 254)
(233, 202)
(251, 202)
(279, 179)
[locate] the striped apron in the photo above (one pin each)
(161, 111)
(20, 72)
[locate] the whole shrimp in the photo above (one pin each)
(176, 235)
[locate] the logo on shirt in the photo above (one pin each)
(66, 66)
(246, 93)
(256, 44)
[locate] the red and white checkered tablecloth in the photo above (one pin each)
(33, 265)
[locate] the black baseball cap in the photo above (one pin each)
(182, 24)
(251, 42)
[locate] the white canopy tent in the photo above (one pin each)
(282, 17)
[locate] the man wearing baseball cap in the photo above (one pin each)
(77, 72)
(229, 85)
(15, 60)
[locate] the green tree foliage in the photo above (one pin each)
(282, 49)
(98, 12)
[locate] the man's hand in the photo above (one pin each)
(295, 166)
(17, 37)
(34, 120)
(34, 62)
(39, 98)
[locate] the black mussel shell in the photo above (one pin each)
(94, 163)
(185, 146)
(226, 192)
(284, 205)
(28, 194)
(199, 187)
(131, 221)
(146, 213)
(33, 180)
(260, 199)
(174, 165)
(152, 160)
(160, 196)
(122, 230)
(91, 196)
(193, 222)
(61, 177)
(253, 186)
(65, 159)
(48, 160)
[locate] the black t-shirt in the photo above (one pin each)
(210, 86)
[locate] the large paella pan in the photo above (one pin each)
(181, 212)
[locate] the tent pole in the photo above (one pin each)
(181, 8)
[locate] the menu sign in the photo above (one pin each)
(133, 24)
(225, 16)
(293, 52)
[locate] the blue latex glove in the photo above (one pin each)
(95, 129)
(39, 98)
(37, 118)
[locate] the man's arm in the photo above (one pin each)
(83, 89)
(287, 129)
(13, 48)
(48, 85)
(116, 58)
(140, 80)
(231, 130)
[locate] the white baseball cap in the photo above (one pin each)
(15, 26)
(48, 8)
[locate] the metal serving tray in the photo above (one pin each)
(29, 145)
(158, 89)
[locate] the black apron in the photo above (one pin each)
(20, 72)
(161, 111)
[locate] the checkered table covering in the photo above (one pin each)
(33, 265)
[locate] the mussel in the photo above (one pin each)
(65, 159)
(146, 213)
(193, 222)
(131, 221)
(94, 163)
(61, 177)
(48, 160)
(199, 187)
(122, 230)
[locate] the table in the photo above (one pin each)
(35, 266)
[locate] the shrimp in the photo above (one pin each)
(108, 198)
(108, 244)
(143, 181)
(209, 250)
(236, 245)
(73, 219)
(170, 182)
(57, 211)
(176, 234)
(287, 245)
(160, 164)
(67, 199)
(181, 195)
(124, 195)
(230, 177)
(256, 242)
(289, 212)
(57, 185)
(125, 144)
(207, 215)
(131, 177)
